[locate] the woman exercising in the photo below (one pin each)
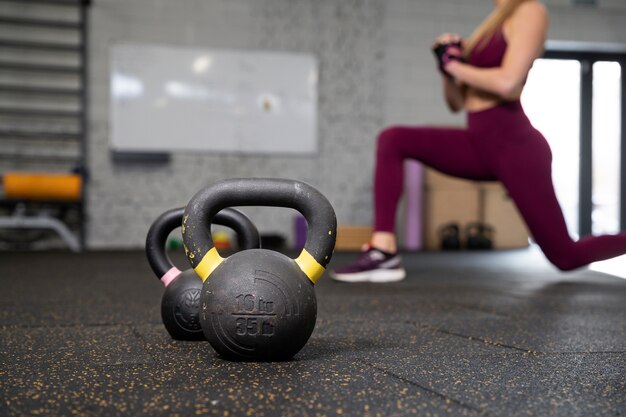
(484, 76)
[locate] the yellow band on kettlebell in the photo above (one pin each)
(207, 265)
(310, 266)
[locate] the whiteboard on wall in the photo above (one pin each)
(166, 98)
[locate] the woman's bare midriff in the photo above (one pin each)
(478, 100)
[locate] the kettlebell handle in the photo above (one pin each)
(316, 209)
(247, 237)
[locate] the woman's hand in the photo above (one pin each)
(447, 47)
(447, 38)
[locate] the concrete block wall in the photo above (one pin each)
(347, 38)
(376, 69)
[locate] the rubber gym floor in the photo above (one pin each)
(466, 334)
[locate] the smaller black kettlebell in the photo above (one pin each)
(181, 300)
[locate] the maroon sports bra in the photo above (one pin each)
(490, 54)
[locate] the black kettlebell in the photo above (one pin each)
(479, 236)
(180, 304)
(449, 236)
(258, 304)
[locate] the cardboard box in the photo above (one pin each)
(352, 237)
(448, 199)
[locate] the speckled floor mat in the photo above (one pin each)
(467, 334)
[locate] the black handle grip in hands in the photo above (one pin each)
(302, 197)
(446, 52)
(247, 235)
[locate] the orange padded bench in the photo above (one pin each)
(42, 186)
(24, 187)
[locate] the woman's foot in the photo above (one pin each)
(372, 265)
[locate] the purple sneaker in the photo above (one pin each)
(372, 265)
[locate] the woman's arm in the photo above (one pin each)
(453, 91)
(454, 94)
(529, 26)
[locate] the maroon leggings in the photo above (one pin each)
(499, 144)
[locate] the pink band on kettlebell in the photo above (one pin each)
(169, 276)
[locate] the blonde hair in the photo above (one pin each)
(487, 28)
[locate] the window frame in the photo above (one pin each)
(588, 53)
